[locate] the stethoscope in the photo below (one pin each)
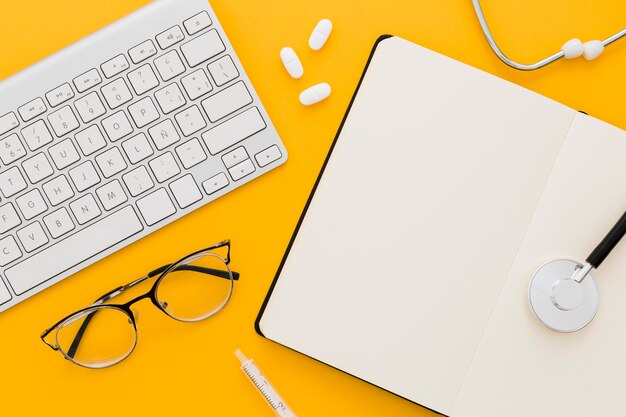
(573, 48)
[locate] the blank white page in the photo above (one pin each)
(415, 223)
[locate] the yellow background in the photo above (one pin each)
(189, 369)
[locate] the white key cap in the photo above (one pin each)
(90, 107)
(227, 101)
(9, 251)
(31, 204)
(90, 140)
(164, 134)
(36, 135)
(243, 169)
(111, 162)
(215, 183)
(85, 209)
(59, 223)
(114, 66)
(5, 295)
(87, 80)
(234, 157)
(111, 195)
(137, 148)
(11, 182)
(143, 79)
(191, 153)
(170, 37)
(72, 251)
(202, 48)
(116, 93)
(63, 121)
(7, 122)
(190, 121)
(143, 112)
(233, 130)
(138, 181)
(185, 191)
(156, 207)
(223, 70)
(37, 168)
(64, 154)
(164, 167)
(60, 95)
(11, 149)
(198, 22)
(142, 51)
(32, 237)
(197, 84)
(8, 218)
(32, 109)
(169, 65)
(58, 190)
(268, 156)
(170, 98)
(117, 126)
(84, 176)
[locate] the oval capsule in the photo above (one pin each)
(291, 62)
(320, 34)
(315, 94)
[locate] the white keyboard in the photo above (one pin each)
(118, 135)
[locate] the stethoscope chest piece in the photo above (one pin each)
(560, 302)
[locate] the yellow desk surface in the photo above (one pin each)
(189, 369)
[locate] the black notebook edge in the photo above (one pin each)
(301, 220)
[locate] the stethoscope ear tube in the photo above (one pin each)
(611, 240)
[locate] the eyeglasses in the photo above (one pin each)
(193, 289)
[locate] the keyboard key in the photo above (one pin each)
(116, 93)
(185, 191)
(84, 176)
(164, 134)
(114, 66)
(11, 149)
(268, 156)
(5, 295)
(11, 182)
(60, 95)
(191, 153)
(37, 168)
(197, 84)
(234, 130)
(111, 162)
(198, 22)
(142, 51)
(170, 37)
(117, 126)
(8, 218)
(223, 70)
(170, 98)
(190, 121)
(156, 207)
(59, 223)
(143, 79)
(85, 209)
(227, 101)
(64, 154)
(164, 167)
(58, 190)
(63, 121)
(32, 237)
(90, 140)
(137, 148)
(234, 157)
(143, 112)
(138, 181)
(9, 251)
(202, 48)
(73, 250)
(111, 195)
(37, 135)
(32, 109)
(7, 122)
(244, 169)
(169, 65)
(90, 107)
(215, 183)
(31, 204)
(87, 80)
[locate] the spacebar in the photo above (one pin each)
(72, 251)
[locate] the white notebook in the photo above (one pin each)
(445, 189)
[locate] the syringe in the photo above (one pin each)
(268, 392)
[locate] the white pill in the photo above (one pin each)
(315, 94)
(593, 49)
(291, 62)
(320, 34)
(572, 48)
